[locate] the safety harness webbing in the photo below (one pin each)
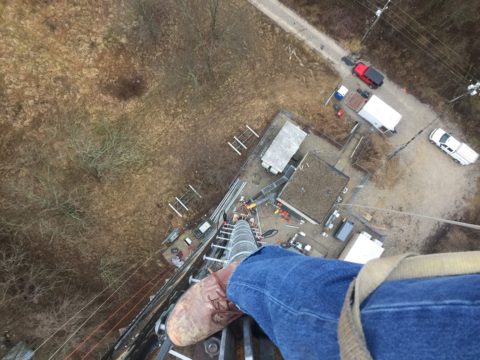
(374, 273)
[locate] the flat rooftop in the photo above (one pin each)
(256, 177)
(313, 189)
(283, 147)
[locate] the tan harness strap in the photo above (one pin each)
(374, 273)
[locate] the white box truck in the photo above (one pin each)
(461, 152)
(381, 115)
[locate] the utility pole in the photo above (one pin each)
(378, 14)
(472, 90)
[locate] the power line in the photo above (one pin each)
(472, 90)
(460, 57)
(412, 38)
(83, 308)
(452, 222)
(98, 295)
(110, 317)
(378, 14)
(436, 57)
(95, 311)
(430, 45)
(120, 321)
(441, 51)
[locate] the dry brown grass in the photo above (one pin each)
(372, 155)
(336, 129)
(105, 150)
(449, 238)
(67, 59)
(354, 45)
(22, 281)
(42, 210)
(372, 158)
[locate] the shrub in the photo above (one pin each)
(105, 150)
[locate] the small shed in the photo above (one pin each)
(283, 147)
(313, 189)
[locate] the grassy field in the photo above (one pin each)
(109, 111)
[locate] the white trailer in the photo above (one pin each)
(283, 147)
(381, 115)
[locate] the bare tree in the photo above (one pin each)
(215, 36)
(47, 195)
(142, 21)
(42, 208)
(21, 280)
(106, 150)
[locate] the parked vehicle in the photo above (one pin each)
(338, 110)
(172, 236)
(461, 152)
(331, 220)
(381, 115)
(364, 93)
(362, 248)
(348, 60)
(202, 229)
(293, 243)
(341, 92)
(368, 75)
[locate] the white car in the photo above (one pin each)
(461, 152)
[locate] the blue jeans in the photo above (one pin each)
(297, 300)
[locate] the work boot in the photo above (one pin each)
(203, 310)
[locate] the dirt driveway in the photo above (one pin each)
(426, 181)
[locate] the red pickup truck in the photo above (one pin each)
(368, 75)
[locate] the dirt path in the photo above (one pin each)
(425, 181)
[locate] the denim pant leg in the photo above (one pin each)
(432, 318)
(295, 299)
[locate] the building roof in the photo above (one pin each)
(283, 147)
(362, 249)
(313, 189)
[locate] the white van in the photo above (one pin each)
(461, 152)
